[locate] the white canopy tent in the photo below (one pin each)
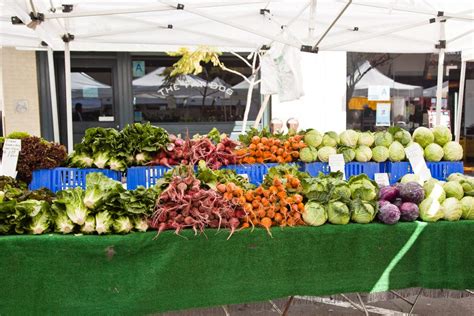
(403, 26)
(431, 91)
(375, 77)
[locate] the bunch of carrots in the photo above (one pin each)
(267, 207)
(269, 149)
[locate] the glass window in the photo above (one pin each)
(412, 83)
(212, 98)
(92, 94)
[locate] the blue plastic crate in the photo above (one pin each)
(439, 170)
(351, 168)
(58, 179)
(145, 176)
(255, 172)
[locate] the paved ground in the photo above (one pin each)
(327, 307)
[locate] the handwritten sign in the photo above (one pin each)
(417, 160)
(11, 150)
(337, 163)
(378, 93)
(382, 116)
(381, 179)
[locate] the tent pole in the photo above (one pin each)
(52, 90)
(332, 24)
(312, 18)
(462, 82)
(67, 70)
(439, 88)
(261, 111)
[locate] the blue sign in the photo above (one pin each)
(138, 68)
(383, 114)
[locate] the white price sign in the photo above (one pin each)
(417, 160)
(337, 163)
(381, 179)
(11, 150)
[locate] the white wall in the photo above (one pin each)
(324, 105)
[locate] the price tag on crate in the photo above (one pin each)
(381, 179)
(418, 164)
(337, 163)
(11, 150)
(244, 175)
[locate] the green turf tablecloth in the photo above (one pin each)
(134, 274)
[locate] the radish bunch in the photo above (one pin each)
(184, 204)
(190, 151)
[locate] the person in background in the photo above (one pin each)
(78, 112)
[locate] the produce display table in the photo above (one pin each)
(136, 274)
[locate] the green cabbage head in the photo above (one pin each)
(453, 189)
(442, 135)
(366, 139)
(314, 214)
(453, 151)
(434, 152)
(431, 210)
(380, 153)
(349, 138)
(467, 203)
(452, 209)
(423, 136)
(396, 151)
(363, 153)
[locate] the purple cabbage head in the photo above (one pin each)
(389, 193)
(398, 202)
(382, 203)
(409, 212)
(389, 214)
(412, 192)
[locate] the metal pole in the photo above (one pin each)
(439, 88)
(332, 24)
(67, 70)
(462, 82)
(312, 19)
(52, 90)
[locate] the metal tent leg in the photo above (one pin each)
(353, 303)
(470, 291)
(226, 311)
(414, 302)
(362, 304)
(287, 305)
(275, 307)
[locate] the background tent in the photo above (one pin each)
(375, 78)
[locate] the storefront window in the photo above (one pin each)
(409, 82)
(214, 96)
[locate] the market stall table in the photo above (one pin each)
(137, 274)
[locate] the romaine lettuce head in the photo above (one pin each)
(81, 160)
(423, 136)
(39, 223)
(140, 223)
(366, 139)
(89, 225)
(32, 207)
(362, 212)
(99, 189)
(434, 152)
(363, 153)
(314, 214)
(338, 213)
(467, 203)
(101, 159)
(363, 188)
(442, 135)
(349, 138)
(453, 151)
(63, 224)
(452, 209)
(117, 164)
(72, 199)
(431, 210)
(122, 225)
(103, 222)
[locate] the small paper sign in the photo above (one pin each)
(337, 163)
(244, 175)
(382, 116)
(418, 164)
(11, 150)
(378, 93)
(382, 179)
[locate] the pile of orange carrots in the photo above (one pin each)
(267, 207)
(269, 149)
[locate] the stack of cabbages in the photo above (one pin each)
(450, 200)
(399, 202)
(381, 146)
(332, 199)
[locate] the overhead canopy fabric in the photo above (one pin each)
(403, 26)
